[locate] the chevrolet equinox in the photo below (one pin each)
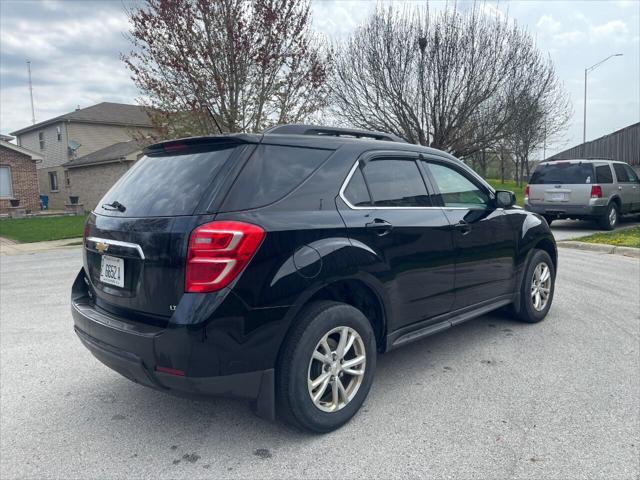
(275, 267)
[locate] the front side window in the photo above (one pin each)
(603, 174)
(396, 183)
(41, 140)
(455, 189)
(621, 173)
(6, 190)
(53, 181)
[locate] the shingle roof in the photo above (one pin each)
(105, 112)
(22, 150)
(111, 153)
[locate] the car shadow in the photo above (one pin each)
(186, 426)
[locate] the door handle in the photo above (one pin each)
(463, 227)
(619, 187)
(379, 226)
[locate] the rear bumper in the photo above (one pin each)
(562, 211)
(135, 351)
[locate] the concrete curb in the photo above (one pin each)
(600, 248)
(9, 247)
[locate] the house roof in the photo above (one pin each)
(112, 153)
(22, 150)
(105, 112)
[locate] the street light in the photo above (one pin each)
(586, 71)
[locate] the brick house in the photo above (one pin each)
(18, 177)
(77, 134)
(92, 175)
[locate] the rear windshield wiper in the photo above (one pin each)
(115, 205)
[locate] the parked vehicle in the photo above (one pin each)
(601, 190)
(275, 267)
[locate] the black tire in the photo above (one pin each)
(295, 404)
(549, 219)
(527, 312)
(609, 220)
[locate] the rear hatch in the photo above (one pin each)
(561, 183)
(137, 236)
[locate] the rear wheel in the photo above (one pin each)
(609, 220)
(327, 367)
(538, 285)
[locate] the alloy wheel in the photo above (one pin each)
(336, 369)
(540, 286)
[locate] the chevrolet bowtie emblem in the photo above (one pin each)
(102, 247)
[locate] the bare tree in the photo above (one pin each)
(226, 65)
(445, 80)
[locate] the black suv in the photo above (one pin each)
(274, 267)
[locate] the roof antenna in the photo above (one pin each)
(214, 119)
(33, 113)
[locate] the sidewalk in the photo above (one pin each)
(10, 247)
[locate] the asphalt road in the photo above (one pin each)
(570, 229)
(492, 398)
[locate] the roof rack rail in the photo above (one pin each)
(299, 129)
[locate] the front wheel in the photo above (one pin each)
(326, 367)
(609, 220)
(537, 289)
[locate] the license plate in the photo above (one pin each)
(558, 197)
(112, 271)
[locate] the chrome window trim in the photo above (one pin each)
(118, 243)
(372, 207)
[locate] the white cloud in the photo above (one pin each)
(548, 23)
(615, 30)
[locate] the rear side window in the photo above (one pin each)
(621, 173)
(396, 183)
(272, 172)
(356, 192)
(603, 174)
(165, 186)
(633, 176)
(567, 173)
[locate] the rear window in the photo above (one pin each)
(566, 173)
(272, 172)
(603, 174)
(165, 186)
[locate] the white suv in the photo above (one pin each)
(583, 189)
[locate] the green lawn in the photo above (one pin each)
(509, 185)
(629, 237)
(38, 229)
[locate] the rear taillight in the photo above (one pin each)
(526, 191)
(218, 252)
(596, 191)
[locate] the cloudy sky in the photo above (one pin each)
(74, 47)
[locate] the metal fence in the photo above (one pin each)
(622, 145)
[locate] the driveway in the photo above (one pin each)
(492, 398)
(570, 229)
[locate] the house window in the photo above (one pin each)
(41, 140)
(59, 133)
(6, 190)
(53, 181)
(67, 178)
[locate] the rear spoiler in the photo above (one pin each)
(200, 143)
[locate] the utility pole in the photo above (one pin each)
(33, 112)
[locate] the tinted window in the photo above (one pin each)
(568, 173)
(356, 192)
(455, 189)
(621, 172)
(603, 174)
(633, 176)
(162, 186)
(396, 183)
(271, 173)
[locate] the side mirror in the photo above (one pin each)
(505, 199)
